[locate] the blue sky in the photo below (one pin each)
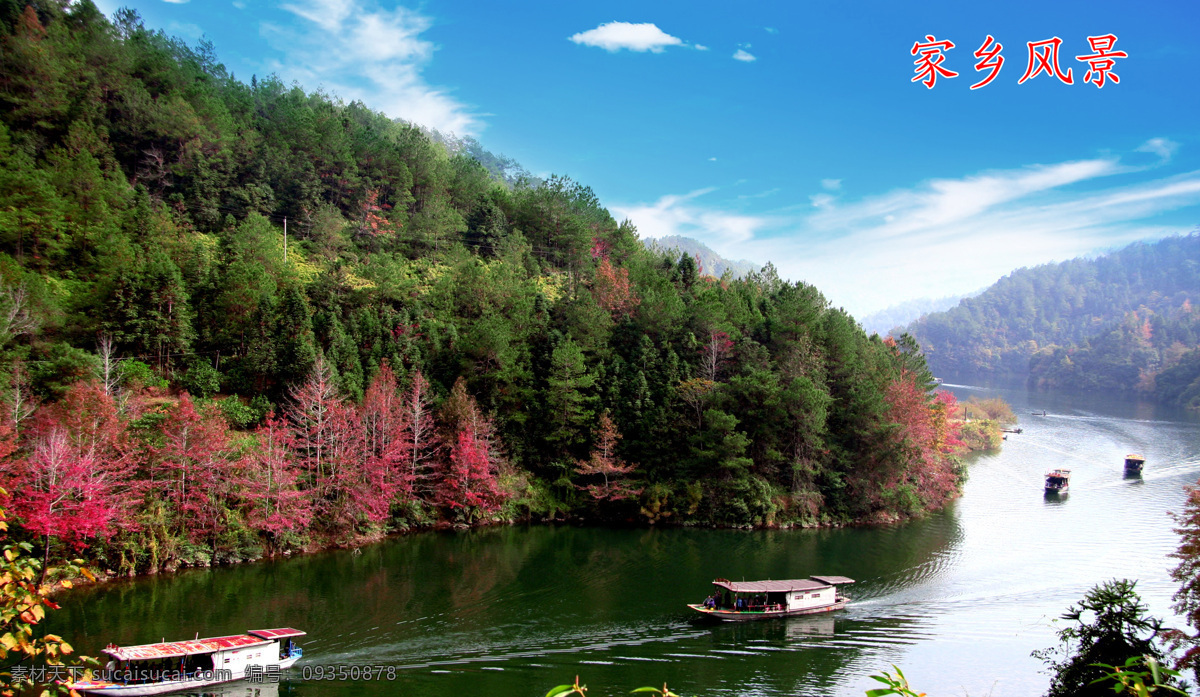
(782, 131)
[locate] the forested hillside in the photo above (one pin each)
(1122, 322)
(238, 319)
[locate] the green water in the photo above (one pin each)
(958, 600)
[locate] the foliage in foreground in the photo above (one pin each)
(24, 600)
(895, 685)
(1107, 627)
(1187, 574)
(1141, 676)
(581, 690)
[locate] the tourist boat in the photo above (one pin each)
(754, 600)
(153, 669)
(1134, 463)
(1057, 481)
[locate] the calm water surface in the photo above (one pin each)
(957, 600)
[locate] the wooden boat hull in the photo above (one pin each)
(100, 687)
(726, 615)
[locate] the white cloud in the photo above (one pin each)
(761, 194)
(712, 159)
(185, 29)
(700, 47)
(821, 200)
(177, 2)
(831, 184)
(1162, 147)
(679, 215)
(614, 36)
(361, 51)
(939, 238)
(742, 55)
(771, 30)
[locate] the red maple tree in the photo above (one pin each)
(327, 438)
(469, 488)
(418, 439)
(373, 223)
(603, 461)
(925, 437)
(193, 468)
(614, 291)
(384, 426)
(269, 483)
(75, 483)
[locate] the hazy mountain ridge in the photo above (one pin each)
(711, 263)
(1121, 321)
(900, 315)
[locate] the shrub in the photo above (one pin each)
(1108, 626)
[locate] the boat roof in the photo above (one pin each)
(784, 586)
(281, 633)
(175, 649)
(1058, 473)
(833, 580)
(1135, 456)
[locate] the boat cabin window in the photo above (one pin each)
(202, 661)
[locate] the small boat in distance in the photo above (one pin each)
(170, 666)
(1134, 463)
(755, 600)
(1058, 481)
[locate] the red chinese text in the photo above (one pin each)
(989, 59)
(929, 62)
(1043, 58)
(1100, 62)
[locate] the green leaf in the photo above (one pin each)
(560, 690)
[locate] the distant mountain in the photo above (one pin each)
(1125, 321)
(711, 263)
(897, 316)
(501, 166)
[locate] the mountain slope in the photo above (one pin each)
(711, 263)
(1113, 322)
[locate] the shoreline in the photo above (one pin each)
(100, 578)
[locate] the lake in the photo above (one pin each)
(957, 600)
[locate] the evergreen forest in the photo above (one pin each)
(242, 319)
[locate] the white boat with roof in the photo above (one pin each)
(169, 666)
(753, 600)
